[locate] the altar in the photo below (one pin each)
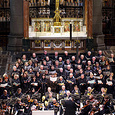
(54, 33)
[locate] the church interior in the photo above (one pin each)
(57, 57)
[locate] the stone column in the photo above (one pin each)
(26, 18)
(89, 18)
(16, 25)
(86, 7)
(97, 25)
(89, 23)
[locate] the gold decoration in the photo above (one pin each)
(57, 18)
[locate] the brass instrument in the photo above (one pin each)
(89, 93)
(43, 98)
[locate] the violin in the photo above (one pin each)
(84, 107)
(30, 101)
(56, 104)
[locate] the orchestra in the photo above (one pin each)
(57, 82)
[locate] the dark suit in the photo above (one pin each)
(70, 107)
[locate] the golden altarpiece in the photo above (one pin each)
(46, 32)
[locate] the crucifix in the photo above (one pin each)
(57, 18)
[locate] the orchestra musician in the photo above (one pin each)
(89, 91)
(29, 103)
(19, 107)
(4, 109)
(35, 105)
(106, 106)
(54, 106)
(86, 108)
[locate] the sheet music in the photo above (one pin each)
(99, 81)
(35, 84)
(52, 72)
(4, 85)
(109, 83)
(111, 59)
(91, 82)
(97, 77)
(53, 78)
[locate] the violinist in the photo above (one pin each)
(29, 103)
(35, 105)
(95, 110)
(28, 100)
(92, 99)
(19, 108)
(106, 106)
(54, 106)
(86, 108)
(4, 108)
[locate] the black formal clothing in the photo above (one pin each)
(70, 83)
(70, 107)
(82, 84)
(85, 110)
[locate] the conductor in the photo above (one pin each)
(70, 107)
